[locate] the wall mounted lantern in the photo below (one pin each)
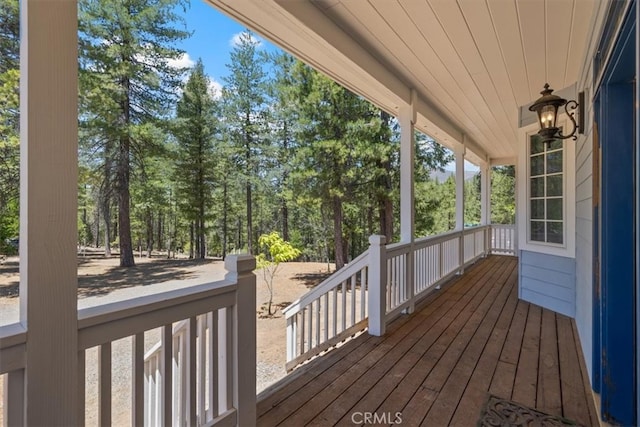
(547, 109)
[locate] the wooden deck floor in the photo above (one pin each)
(437, 367)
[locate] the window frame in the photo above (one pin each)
(523, 206)
(545, 198)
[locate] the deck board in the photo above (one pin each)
(439, 365)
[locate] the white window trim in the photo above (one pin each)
(568, 249)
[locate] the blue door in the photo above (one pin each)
(615, 236)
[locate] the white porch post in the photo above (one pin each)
(377, 295)
(485, 194)
(48, 209)
(459, 153)
(407, 121)
(485, 203)
(240, 268)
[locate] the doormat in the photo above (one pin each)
(500, 412)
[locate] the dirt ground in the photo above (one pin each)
(100, 280)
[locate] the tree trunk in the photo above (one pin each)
(191, 240)
(249, 221)
(97, 228)
(203, 241)
(339, 241)
(225, 217)
(159, 230)
(123, 172)
(106, 216)
(124, 196)
(149, 232)
(285, 220)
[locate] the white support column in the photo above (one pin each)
(407, 121)
(485, 203)
(459, 153)
(48, 208)
(377, 295)
(485, 194)
(240, 268)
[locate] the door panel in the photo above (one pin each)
(615, 287)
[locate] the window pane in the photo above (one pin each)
(554, 186)
(537, 187)
(537, 146)
(537, 209)
(554, 232)
(537, 231)
(537, 165)
(555, 145)
(554, 162)
(554, 209)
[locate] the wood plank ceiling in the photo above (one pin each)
(474, 61)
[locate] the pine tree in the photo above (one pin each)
(336, 147)
(127, 86)
(195, 131)
(244, 98)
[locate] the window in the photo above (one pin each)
(546, 191)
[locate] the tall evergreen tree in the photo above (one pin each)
(195, 132)
(335, 145)
(284, 119)
(245, 107)
(128, 84)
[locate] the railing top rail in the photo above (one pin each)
(329, 283)
(438, 238)
(474, 228)
(104, 323)
(12, 335)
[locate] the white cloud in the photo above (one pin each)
(183, 61)
(215, 88)
(235, 40)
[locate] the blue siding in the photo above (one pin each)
(584, 241)
(548, 281)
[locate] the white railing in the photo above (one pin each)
(204, 375)
(320, 320)
(13, 344)
(328, 314)
(503, 239)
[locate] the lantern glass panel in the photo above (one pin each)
(548, 116)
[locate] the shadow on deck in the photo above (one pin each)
(439, 366)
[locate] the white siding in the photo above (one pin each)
(548, 281)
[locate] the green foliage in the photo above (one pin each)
(195, 129)
(503, 195)
(245, 109)
(9, 137)
(273, 251)
(343, 146)
(127, 87)
(9, 35)
(9, 122)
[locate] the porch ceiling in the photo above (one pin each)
(471, 62)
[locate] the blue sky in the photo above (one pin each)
(212, 39)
